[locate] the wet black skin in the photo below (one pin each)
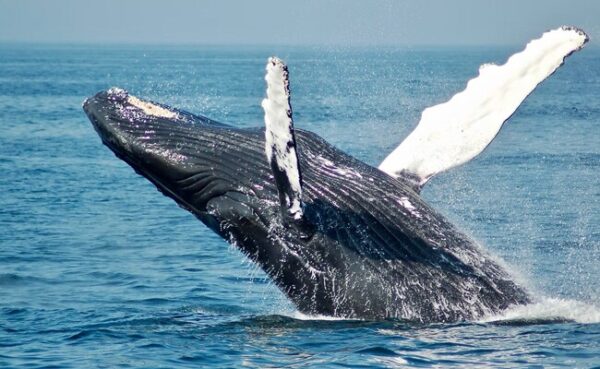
(360, 251)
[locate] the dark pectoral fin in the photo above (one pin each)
(280, 142)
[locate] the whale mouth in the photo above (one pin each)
(165, 145)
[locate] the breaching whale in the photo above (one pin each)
(337, 236)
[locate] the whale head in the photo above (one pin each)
(187, 157)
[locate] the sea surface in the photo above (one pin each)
(99, 270)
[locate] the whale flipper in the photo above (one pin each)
(454, 132)
(280, 141)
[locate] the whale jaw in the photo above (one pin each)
(161, 144)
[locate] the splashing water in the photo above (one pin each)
(548, 309)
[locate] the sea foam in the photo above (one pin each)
(549, 308)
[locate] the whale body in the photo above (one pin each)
(372, 249)
(336, 235)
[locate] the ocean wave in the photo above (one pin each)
(549, 309)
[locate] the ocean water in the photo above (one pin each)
(98, 269)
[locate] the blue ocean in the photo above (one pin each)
(99, 270)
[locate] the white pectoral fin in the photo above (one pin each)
(280, 142)
(454, 132)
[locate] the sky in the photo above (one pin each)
(300, 22)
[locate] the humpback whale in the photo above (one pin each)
(339, 237)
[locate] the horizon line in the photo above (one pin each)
(251, 45)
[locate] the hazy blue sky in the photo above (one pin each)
(345, 22)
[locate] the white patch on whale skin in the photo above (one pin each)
(295, 209)
(279, 130)
(454, 132)
(173, 156)
(151, 109)
(405, 202)
(342, 171)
